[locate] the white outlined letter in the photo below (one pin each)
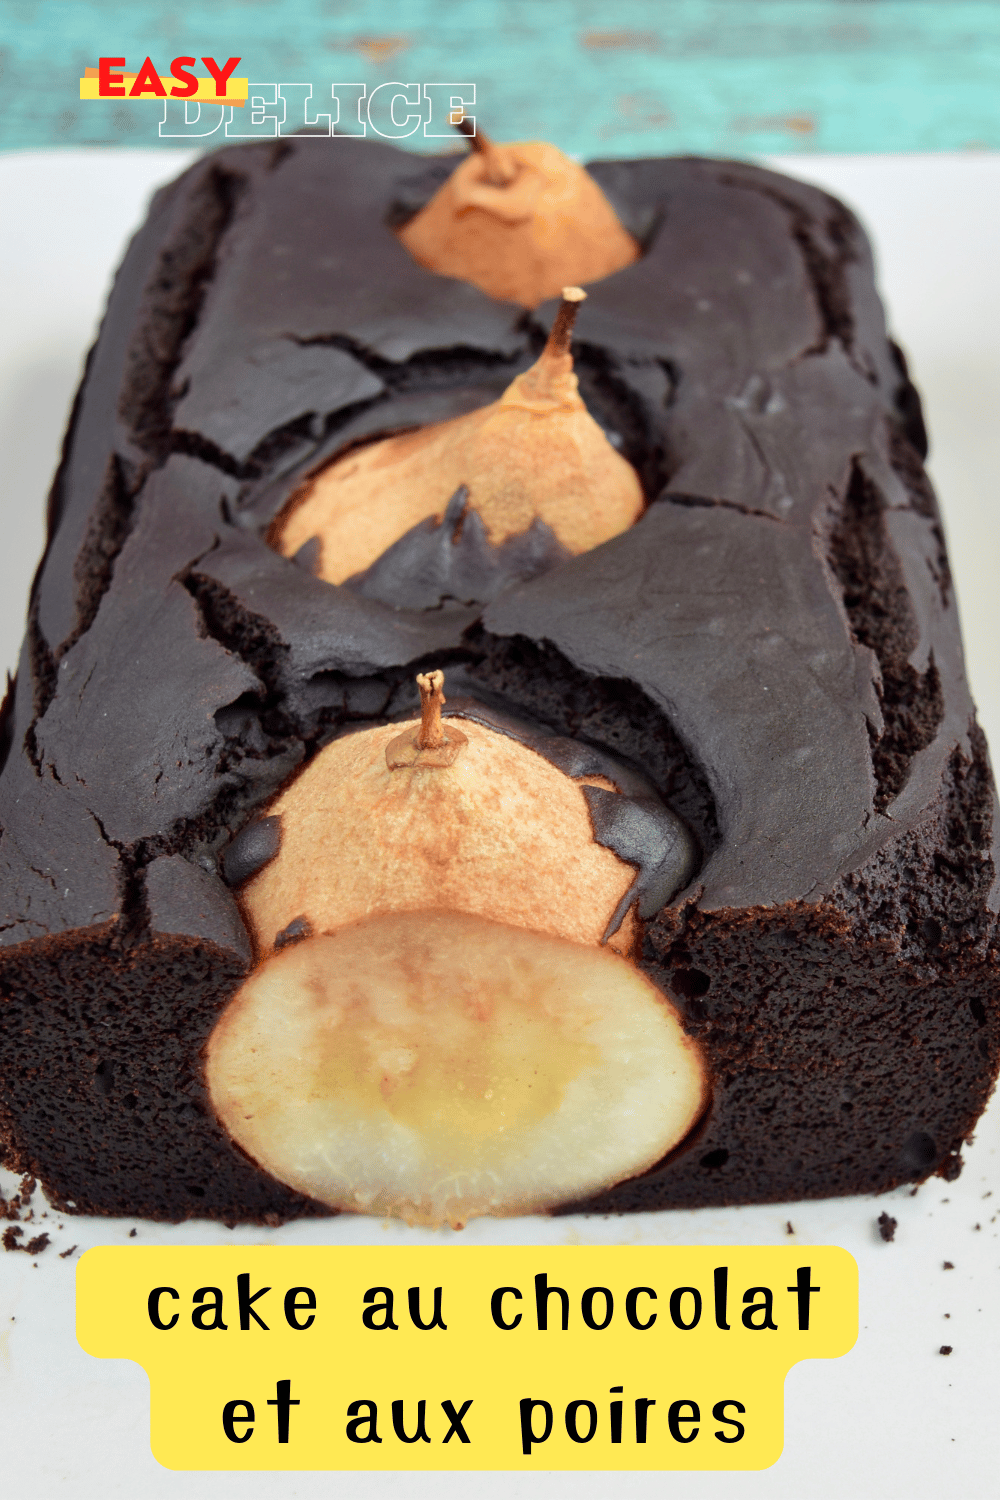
(188, 118)
(396, 130)
(263, 112)
(445, 98)
(297, 97)
(344, 121)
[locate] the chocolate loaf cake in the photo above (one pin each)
(771, 651)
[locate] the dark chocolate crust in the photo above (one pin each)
(774, 642)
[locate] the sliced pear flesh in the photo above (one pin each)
(435, 1066)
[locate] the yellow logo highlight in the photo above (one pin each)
(128, 87)
(572, 1357)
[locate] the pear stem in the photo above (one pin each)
(430, 735)
(498, 173)
(558, 341)
(476, 139)
(430, 745)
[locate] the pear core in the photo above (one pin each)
(519, 222)
(436, 1065)
(536, 454)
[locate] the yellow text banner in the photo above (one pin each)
(237, 90)
(572, 1357)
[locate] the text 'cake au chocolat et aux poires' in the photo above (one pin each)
(485, 746)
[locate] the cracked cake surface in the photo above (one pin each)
(774, 643)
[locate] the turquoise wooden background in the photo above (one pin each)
(600, 77)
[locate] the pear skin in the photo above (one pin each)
(535, 454)
(519, 221)
(494, 829)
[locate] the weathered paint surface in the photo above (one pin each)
(731, 77)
